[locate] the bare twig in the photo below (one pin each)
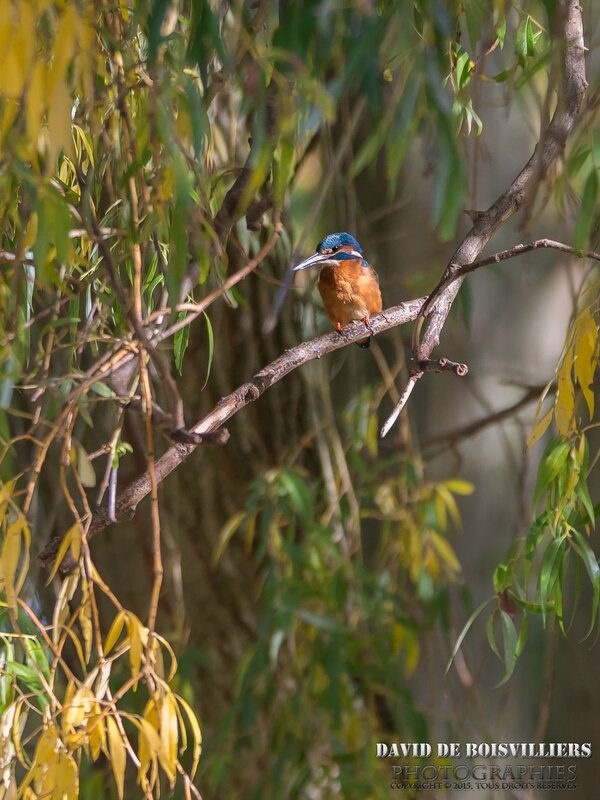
(465, 431)
(571, 90)
(230, 405)
(503, 255)
(155, 511)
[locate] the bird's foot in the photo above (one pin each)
(368, 326)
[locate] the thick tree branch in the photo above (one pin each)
(568, 33)
(206, 428)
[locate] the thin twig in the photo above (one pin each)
(154, 507)
(448, 438)
(229, 406)
(570, 90)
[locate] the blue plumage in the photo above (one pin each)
(334, 240)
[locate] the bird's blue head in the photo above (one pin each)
(336, 241)
(333, 249)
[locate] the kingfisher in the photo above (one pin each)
(348, 284)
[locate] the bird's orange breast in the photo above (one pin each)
(350, 291)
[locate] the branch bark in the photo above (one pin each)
(568, 33)
(131, 495)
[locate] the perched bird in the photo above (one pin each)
(348, 284)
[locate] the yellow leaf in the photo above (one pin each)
(76, 644)
(96, 731)
(59, 123)
(585, 357)
(170, 651)
(61, 608)
(22, 40)
(149, 743)
(75, 714)
(169, 736)
(564, 404)
(6, 491)
(66, 785)
(117, 754)
(71, 539)
(17, 731)
(6, 24)
(84, 466)
(11, 74)
(227, 531)
(459, 486)
(196, 732)
(445, 552)
(64, 47)
(540, 428)
(10, 112)
(85, 620)
(115, 631)
(36, 100)
(450, 503)
(17, 534)
(46, 748)
(138, 639)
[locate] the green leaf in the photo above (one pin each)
(550, 568)
(464, 67)
(180, 343)
(553, 463)
(103, 390)
(450, 185)
(576, 161)
(590, 561)
(284, 163)
(54, 223)
(211, 347)
(37, 656)
(583, 493)
(502, 577)
(178, 233)
(587, 211)
(465, 630)
(27, 675)
(491, 636)
(319, 621)
(525, 41)
(154, 25)
(84, 466)
(510, 642)
(535, 608)
(205, 37)
(197, 113)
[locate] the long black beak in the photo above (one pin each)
(317, 258)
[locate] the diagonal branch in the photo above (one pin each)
(571, 90)
(227, 407)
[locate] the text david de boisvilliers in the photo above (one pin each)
(484, 749)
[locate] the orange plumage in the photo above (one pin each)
(350, 292)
